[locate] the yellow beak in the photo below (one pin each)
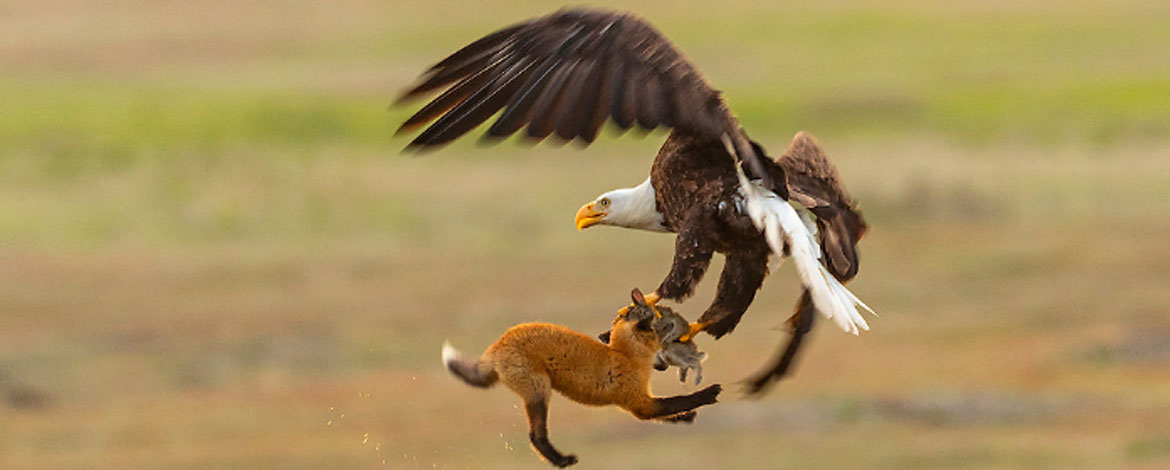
(588, 216)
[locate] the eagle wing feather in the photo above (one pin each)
(567, 73)
(812, 182)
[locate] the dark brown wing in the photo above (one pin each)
(567, 73)
(813, 182)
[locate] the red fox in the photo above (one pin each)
(533, 359)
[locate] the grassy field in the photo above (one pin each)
(212, 255)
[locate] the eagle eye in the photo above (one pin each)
(604, 202)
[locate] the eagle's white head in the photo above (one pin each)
(627, 207)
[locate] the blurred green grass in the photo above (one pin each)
(212, 255)
(200, 78)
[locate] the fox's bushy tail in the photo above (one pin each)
(475, 372)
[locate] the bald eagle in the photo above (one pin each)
(569, 72)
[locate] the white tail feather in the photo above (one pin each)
(780, 221)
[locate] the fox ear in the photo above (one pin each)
(636, 296)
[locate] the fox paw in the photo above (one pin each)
(710, 394)
(684, 417)
(566, 461)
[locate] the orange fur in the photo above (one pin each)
(533, 359)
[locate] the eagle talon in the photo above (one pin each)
(695, 328)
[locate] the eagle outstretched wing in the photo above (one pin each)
(567, 73)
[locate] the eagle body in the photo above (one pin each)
(567, 73)
(699, 196)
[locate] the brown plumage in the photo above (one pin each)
(813, 182)
(696, 190)
(568, 72)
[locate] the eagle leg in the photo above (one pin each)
(692, 255)
(742, 276)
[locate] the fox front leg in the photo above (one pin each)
(658, 408)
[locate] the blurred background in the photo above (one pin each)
(212, 254)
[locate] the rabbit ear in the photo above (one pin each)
(637, 297)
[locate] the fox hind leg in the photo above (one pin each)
(535, 389)
(537, 410)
